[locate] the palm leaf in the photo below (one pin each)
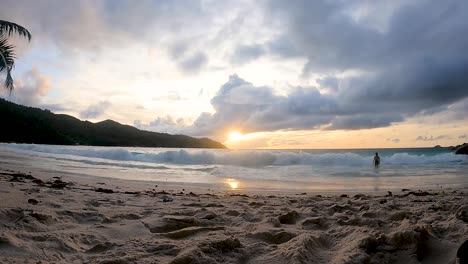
(10, 28)
(7, 61)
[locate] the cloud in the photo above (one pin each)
(193, 63)
(331, 37)
(462, 136)
(54, 107)
(363, 121)
(76, 27)
(394, 140)
(458, 110)
(284, 47)
(247, 53)
(405, 65)
(30, 88)
(95, 110)
(163, 124)
(242, 106)
(432, 138)
(139, 107)
(187, 56)
(374, 63)
(330, 83)
(171, 96)
(90, 24)
(398, 53)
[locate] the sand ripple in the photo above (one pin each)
(77, 224)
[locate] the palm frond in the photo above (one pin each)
(7, 54)
(9, 81)
(10, 28)
(7, 61)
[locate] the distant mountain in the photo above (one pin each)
(23, 124)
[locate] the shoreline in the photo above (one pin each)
(214, 188)
(111, 221)
(45, 166)
(296, 172)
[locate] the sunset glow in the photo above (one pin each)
(235, 136)
(233, 131)
(233, 184)
(255, 85)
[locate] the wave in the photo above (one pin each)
(246, 158)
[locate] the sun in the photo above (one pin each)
(233, 184)
(235, 136)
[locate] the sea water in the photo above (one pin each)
(255, 170)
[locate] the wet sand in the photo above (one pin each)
(49, 219)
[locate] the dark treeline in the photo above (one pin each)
(21, 124)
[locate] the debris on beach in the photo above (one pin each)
(103, 190)
(166, 226)
(33, 201)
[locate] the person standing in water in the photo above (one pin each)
(376, 160)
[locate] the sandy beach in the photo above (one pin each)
(48, 219)
(233, 132)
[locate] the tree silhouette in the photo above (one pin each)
(7, 50)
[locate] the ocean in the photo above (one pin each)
(346, 170)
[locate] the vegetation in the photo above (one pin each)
(7, 54)
(33, 125)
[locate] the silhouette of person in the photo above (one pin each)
(376, 160)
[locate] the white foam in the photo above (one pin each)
(251, 158)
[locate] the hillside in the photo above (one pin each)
(23, 124)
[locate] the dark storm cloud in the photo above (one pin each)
(332, 40)
(363, 121)
(241, 105)
(419, 58)
(421, 84)
(415, 63)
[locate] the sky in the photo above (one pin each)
(252, 74)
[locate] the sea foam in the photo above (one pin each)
(246, 158)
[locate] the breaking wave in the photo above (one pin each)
(247, 158)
